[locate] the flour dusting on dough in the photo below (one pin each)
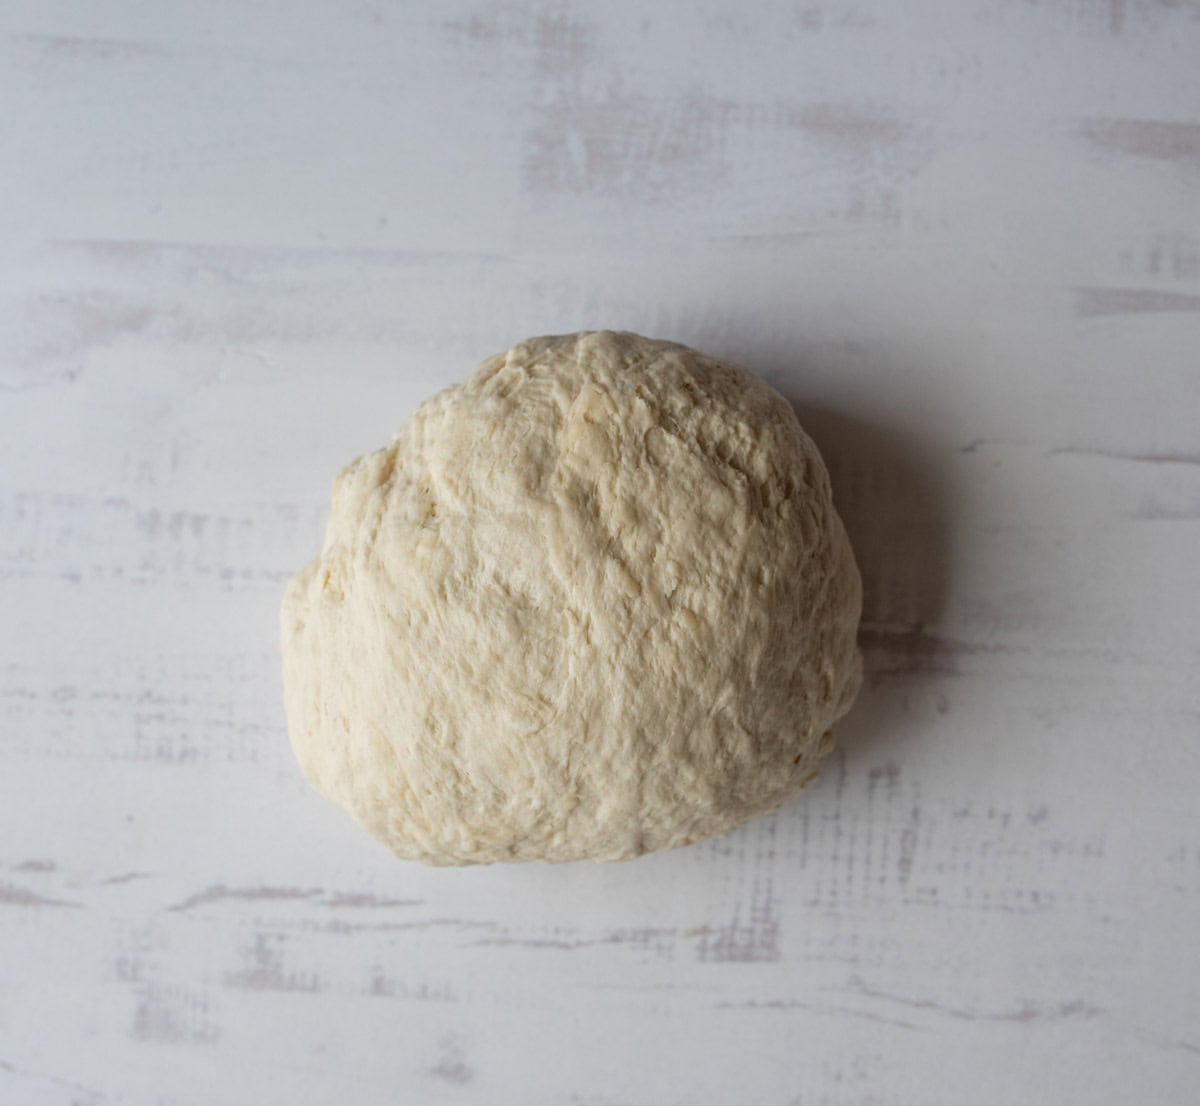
(593, 601)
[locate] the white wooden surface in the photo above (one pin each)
(243, 239)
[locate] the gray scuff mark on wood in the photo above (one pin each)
(364, 900)
(1096, 302)
(1165, 1041)
(27, 377)
(818, 1008)
(91, 47)
(129, 969)
(219, 892)
(774, 237)
(565, 944)
(1163, 140)
(349, 928)
(753, 933)
(381, 985)
(92, 1097)
(1149, 458)
(55, 535)
(125, 877)
(558, 41)
(1026, 1011)
(1168, 254)
(659, 941)
(1113, 17)
(451, 1066)
(977, 444)
(904, 650)
(908, 846)
(264, 969)
(167, 1016)
(816, 18)
(193, 258)
(887, 774)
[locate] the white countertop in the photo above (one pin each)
(243, 240)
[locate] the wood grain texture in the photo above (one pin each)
(244, 241)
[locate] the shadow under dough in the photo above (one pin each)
(892, 499)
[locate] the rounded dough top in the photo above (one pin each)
(593, 601)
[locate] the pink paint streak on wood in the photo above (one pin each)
(1098, 302)
(559, 42)
(11, 895)
(623, 144)
(845, 127)
(628, 145)
(1175, 142)
(93, 48)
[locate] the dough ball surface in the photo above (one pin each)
(591, 602)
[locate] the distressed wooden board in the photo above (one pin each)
(244, 240)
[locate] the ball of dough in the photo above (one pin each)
(591, 602)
